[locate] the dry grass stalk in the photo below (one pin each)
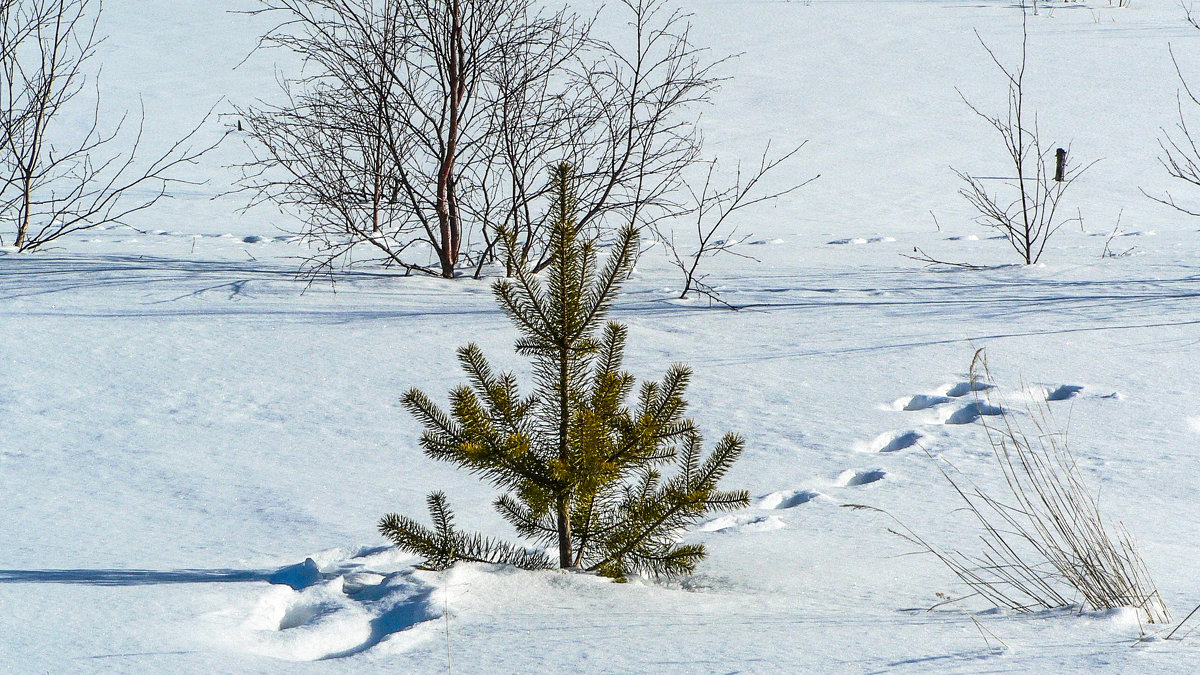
(1046, 545)
(1057, 518)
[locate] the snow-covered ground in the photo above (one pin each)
(194, 453)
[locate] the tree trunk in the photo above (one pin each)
(23, 226)
(564, 449)
(444, 256)
(564, 532)
(450, 228)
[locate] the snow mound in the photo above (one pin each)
(313, 611)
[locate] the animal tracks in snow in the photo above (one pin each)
(786, 499)
(783, 500)
(743, 523)
(860, 240)
(945, 406)
(957, 404)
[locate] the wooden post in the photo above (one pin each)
(1060, 165)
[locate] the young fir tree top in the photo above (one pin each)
(579, 466)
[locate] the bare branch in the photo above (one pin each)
(1180, 155)
(53, 184)
(710, 209)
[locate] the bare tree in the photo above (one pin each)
(434, 121)
(56, 183)
(708, 210)
(1029, 215)
(387, 139)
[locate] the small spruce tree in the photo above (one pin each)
(579, 466)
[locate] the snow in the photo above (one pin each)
(197, 446)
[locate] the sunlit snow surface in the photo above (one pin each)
(195, 448)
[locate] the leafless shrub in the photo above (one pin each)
(434, 120)
(392, 135)
(1045, 542)
(1180, 155)
(52, 181)
(1109, 251)
(1029, 214)
(708, 210)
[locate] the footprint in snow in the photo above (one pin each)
(786, 499)
(961, 389)
(1063, 392)
(973, 411)
(852, 478)
(919, 402)
(892, 441)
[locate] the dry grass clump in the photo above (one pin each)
(1045, 543)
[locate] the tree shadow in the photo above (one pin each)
(133, 577)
